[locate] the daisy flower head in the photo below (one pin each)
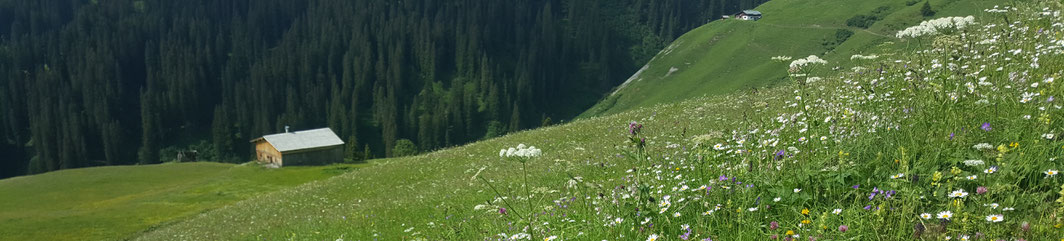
(796, 190)
(945, 215)
(1051, 172)
(995, 218)
(925, 215)
(991, 170)
(836, 211)
(896, 176)
(652, 237)
(972, 177)
(960, 193)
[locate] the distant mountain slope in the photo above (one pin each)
(733, 55)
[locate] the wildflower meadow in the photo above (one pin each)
(954, 137)
(952, 131)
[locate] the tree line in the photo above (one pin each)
(90, 83)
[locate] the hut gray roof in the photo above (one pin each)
(751, 12)
(301, 140)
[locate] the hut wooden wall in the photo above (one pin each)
(266, 153)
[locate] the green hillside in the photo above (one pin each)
(734, 55)
(954, 135)
(114, 203)
(941, 143)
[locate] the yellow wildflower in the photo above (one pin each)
(791, 232)
(807, 221)
(805, 211)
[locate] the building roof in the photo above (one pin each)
(300, 140)
(751, 12)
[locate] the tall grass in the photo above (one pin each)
(954, 137)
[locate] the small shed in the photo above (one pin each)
(309, 147)
(753, 15)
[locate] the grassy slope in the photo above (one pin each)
(435, 195)
(732, 55)
(396, 194)
(110, 203)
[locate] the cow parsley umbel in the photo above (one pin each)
(936, 26)
(521, 154)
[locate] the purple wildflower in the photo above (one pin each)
(980, 190)
(951, 136)
(634, 128)
(986, 126)
(843, 228)
(686, 235)
(502, 211)
(773, 225)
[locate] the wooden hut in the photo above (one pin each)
(748, 15)
(309, 147)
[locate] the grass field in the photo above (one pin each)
(726, 56)
(115, 203)
(954, 136)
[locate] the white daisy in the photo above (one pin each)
(945, 215)
(925, 215)
(995, 218)
(960, 193)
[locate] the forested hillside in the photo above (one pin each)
(90, 83)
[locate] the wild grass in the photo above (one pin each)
(962, 126)
(116, 203)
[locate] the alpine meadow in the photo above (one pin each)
(532, 120)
